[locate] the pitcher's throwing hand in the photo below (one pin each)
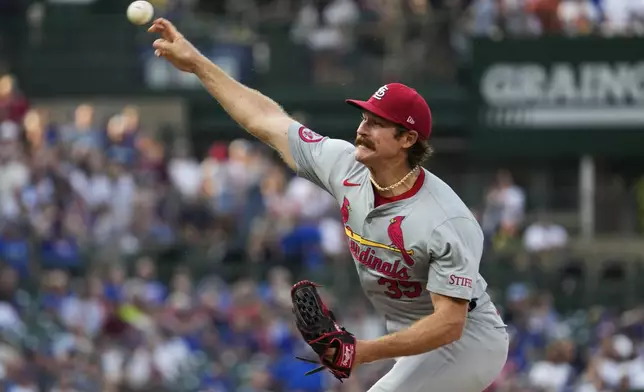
(173, 46)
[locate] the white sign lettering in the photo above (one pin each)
(563, 84)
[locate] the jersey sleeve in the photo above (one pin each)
(456, 247)
(324, 161)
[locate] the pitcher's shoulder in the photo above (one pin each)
(441, 201)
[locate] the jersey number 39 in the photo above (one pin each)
(397, 289)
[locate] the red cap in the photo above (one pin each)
(399, 104)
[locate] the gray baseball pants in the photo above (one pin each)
(470, 364)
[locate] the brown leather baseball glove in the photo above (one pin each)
(335, 346)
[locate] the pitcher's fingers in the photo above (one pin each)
(170, 32)
(161, 44)
(156, 28)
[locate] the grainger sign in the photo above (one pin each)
(560, 84)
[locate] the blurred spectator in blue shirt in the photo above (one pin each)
(82, 133)
(15, 250)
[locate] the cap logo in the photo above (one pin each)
(381, 92)
(410, 120)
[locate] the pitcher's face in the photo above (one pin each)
(378, 140)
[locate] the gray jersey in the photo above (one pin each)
(428, 241)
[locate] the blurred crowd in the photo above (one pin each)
(119, 189)
(119, 330)
(381, 39)
(345, 41)
(354, 40)
(398, 38)
(590, 350)
(84, 207)
(568, 17)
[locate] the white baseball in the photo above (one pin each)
(140, 12)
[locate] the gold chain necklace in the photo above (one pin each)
(396, 185)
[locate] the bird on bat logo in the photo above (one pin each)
(344, 210)
(395, 233)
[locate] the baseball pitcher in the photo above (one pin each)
(415, 244)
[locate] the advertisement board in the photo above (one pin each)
(587, 92)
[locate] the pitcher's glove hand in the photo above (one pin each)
(332, 343)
